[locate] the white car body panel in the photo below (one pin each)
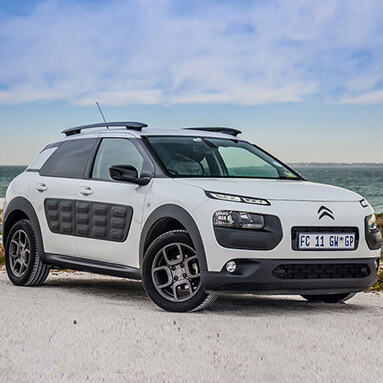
(272, 189)
(122, 253)
(19, 187)
(62, 188)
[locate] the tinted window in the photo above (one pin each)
(241, 162)
(69, 160)
(216, 157)
(115, 151)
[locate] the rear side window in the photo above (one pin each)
(70, 160)
(40, 160)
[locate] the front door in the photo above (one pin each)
(109, 213)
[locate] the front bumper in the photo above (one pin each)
(293, 276)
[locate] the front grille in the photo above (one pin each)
(322, 271)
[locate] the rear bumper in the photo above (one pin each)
(294, 276)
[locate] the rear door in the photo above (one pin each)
(109, 213)
(53, 192)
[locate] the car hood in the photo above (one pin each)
(274, 189)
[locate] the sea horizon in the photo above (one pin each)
(365, 178)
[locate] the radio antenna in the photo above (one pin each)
(102, 114)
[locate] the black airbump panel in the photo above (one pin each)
(97, 220)
(322, 271)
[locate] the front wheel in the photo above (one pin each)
(329, 298)
(171, 274)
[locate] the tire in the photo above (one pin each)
(329, 298)
(22, 259)
(171, 274)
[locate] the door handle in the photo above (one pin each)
(86, 190)
(41, 187)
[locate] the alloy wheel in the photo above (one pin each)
(175, 272)
(19, 253)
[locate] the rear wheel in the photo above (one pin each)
(329, 298)
(22, 259)
(171, 274)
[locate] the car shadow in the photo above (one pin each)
(258, 305)
(119, 290)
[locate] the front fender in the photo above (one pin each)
(182, 216)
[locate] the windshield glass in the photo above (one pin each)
(216, 157)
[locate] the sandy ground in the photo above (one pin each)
(81, 327)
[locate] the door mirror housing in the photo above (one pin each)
(128, 173)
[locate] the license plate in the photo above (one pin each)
(320, 241)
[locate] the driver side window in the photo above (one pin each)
(115, 151)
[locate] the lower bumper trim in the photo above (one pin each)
(255, 276)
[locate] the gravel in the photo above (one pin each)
(82, 327)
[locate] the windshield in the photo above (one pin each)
(216, 157)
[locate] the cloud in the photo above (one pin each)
(167, 52)
(146, 97)
(372, 98)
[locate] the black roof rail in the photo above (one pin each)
(128, 125)
(231, 131)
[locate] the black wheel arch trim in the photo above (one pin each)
(22, 204)
(181, 215)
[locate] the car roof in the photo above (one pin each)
(147, 132)
(144, 132)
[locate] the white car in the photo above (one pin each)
(192, 212)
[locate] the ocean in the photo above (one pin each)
(7, 174)
(365, 179)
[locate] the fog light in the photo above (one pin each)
(231, 266)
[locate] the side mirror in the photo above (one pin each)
(128, 173)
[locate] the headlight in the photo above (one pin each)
(238, 220)
(371, 222)
(237, 198)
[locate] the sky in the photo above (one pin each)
(301, 78)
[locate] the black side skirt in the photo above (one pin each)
(97, 267)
